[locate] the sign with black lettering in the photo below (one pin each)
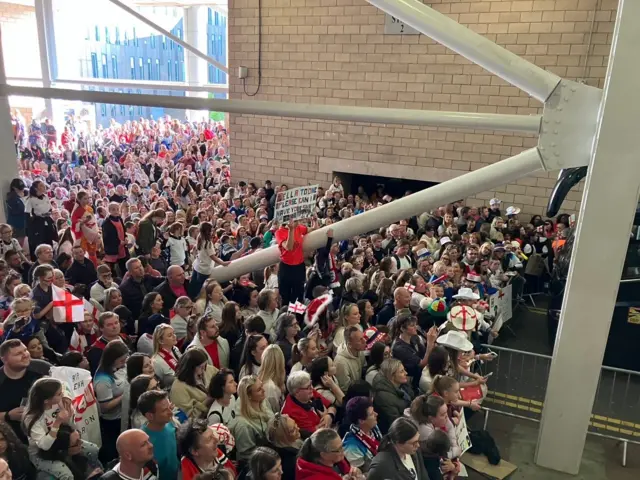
(296, 203)
(395, 26)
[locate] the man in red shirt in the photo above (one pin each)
(305, 406)
(209, 340)
(291, 275)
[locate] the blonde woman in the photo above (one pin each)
(211, 301)
(303, 353)
(165, 354)
(272, 374)
(349, 316)
(250, 427)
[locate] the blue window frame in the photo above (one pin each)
(126, 38)
(164, 42)
(107, 38)
(169, 71)
(105, 67)
(94, 65)
(132, 65)
(140, 68)
(135, 38)
(177, 76)
(117, 36)
(149, 72)
(114, 66)
(181, 71)
(157, 69)
(216, 19)
(97, 34)
(103, 110)
(209, 16)
(153, 41)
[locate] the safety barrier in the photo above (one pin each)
(518, 385)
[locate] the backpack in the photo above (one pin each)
(483, 444)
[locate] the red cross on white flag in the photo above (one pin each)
(67, 308)
(409, 287)
(297, 307)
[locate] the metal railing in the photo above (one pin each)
(518, 385)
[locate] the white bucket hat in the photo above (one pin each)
(512, 210)
(456, 340)
(467, 294)
(463, 318)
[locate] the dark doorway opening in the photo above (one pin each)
(396, 187)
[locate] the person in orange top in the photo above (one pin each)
(291, 275)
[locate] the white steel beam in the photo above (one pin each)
(48, 57)
(608, 205)
(170, 35)
(118, 83)
(489, 121)
(500, 173)
(530, 78)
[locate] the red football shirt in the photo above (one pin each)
(295, 256)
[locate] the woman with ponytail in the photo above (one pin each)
(322, 457)
(398, 456)
(303, 353)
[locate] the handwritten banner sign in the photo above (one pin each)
(500, 303)
(462, 434)
(85, 406)
(296, 203)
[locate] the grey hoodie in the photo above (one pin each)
(348, 367)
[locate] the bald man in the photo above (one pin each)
(172, 288)
(401, 299)
(135, 452)
(5, 471)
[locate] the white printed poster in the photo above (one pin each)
(85, 406)
(500, 303)
(296, 203)
(462, 434)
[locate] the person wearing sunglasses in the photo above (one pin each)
(398, 456)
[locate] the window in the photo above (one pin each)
(94, 65)
(113, 110)
(117, 36)
(97, 34)
(210, 74)
(135, 39)
(132, 64)
(114, 66)
(179, 33)
(164, 42)
(103, 110)
(107, 38)
(88, 34)
(153, 41)
(213, 44)
(210, 14)
(169, 70)
(217, 19)
(182, 71)
(105, 68)
(140, 69)
(126, 38)
(149, 73)
(177, 76)
(157, 69)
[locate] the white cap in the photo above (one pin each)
(494, 201)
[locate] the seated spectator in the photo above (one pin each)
(286, 335)
(392, 394)
(398, 454)
(189, 389)
(136, 286)
(305, 406)
(109, 325)
(250, 427)
(272, 374)
(349, 317)
(174, 287)
(150, 315)
(362, 441)
(67, 450)
(209, 340)
(182, 309)
(135, 455)
(251, 359)
(430, 413)
(104, 283)
(109, 383)
(24, 325)
(156, 408)
(222, 389)
(265, 464)
(268, 309)
(322, 371)
(112, 300)
(379, 353)
(303, 353)
(165, 355)
(17, 375)
(284, 436)
(15, 454)
(82, 270)
(322, 457)
(140, 384)
(350, 357)
(198, 445)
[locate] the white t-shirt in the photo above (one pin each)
(12, 245)
(203, 263)
(220, 414)
(40, 207)
(177, 250)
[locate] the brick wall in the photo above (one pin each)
(335, 52)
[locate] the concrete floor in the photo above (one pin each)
(517, 438)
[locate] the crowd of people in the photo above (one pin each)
(357, 361)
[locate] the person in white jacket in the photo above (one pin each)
(208, 339)
(46, 410)
(165, 355)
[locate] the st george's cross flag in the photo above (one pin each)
(67, 308)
